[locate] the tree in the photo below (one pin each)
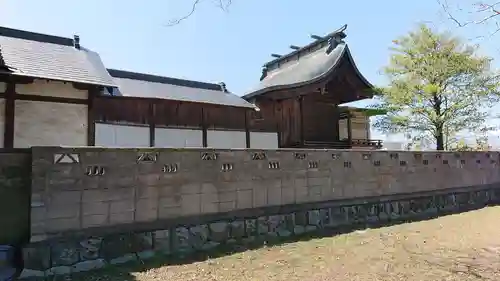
(437, 88)
(464, 13)
(221, 4)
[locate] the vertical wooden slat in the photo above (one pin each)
(247, 129)
(152, 123)
(204, 128)
(301, 112)
(10, 108)
(91, 116)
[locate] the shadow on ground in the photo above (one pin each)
(125, 271)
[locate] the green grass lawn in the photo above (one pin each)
(456, 247)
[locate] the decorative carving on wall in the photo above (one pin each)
(376, 163)
(170, 168)
(394, 156)
(147, 157)
(417, 156)
(402, 163)
(425, 162)
(259, 156)
(313, 164)
(209, 156)
(300, 156)
(367, 156)
(93, 171)
(445, 162)
(347, 164)
(335, 156)
(438, 155)
(66, 158)
(226, 167)
(274, 165)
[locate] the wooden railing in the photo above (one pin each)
(342, 144)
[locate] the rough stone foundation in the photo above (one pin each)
(77, 254)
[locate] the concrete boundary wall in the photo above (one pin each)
(81, 189)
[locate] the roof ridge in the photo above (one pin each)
(117, 73)
(307, 48)
(34, 36)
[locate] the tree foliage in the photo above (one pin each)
(438, 87)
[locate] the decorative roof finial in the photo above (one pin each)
(336, 38)
(264, 73)
(223, 87)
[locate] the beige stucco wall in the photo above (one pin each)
(360, 127)
(2, 120)
(114, 135)
(48, 123)
(2, 87)
(51, 89)
(39, 123)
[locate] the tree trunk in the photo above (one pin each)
(439, 139)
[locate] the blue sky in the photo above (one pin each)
(230, 46)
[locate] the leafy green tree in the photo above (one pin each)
(438, 86)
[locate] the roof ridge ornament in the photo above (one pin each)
(336, 38)
(264, 73)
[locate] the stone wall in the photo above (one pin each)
(96, 206)
(15, 172)
(84, 189)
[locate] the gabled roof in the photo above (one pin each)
(151, 86)
(306, 65)
(50, 57)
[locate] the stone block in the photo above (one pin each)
(162, 241)
(63, 224)
(168, 202)
(146, 210)
(95, 208)
(64, 253)
(227, 196)
(148, 192)
(219, 231)
(191, 204)
(288, 195)
(121, 206)
(191, 188)
(209, 207)
(88, 265)
(274, 196)
(90, 248)
(63, 211)
(227, 206)
(172, 212)
(244, 199)
(260, 197)
(65, 197)
(121, 218)
(94, 220)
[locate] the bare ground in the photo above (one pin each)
(457, 247)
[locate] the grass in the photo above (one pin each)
(457, 247)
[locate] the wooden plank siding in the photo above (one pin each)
(158, 113)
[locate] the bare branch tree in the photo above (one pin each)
(221, 4)
(486, 12)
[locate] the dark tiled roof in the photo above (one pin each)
(306, 65)
(151, 86)
(51, 57)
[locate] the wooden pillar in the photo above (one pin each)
(247, 129)
(349, 128)
(301, 120)
(10, 108)
(204, 133)
(92, 94)
(152, 123)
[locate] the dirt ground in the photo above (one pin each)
(456, 247)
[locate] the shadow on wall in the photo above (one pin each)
(124, 271)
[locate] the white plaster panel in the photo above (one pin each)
(3, 87)
(226, 139)
(51, 89)
(2, 120)
(264, 140)
(48, 123)
(112, 135)
(169, 137)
